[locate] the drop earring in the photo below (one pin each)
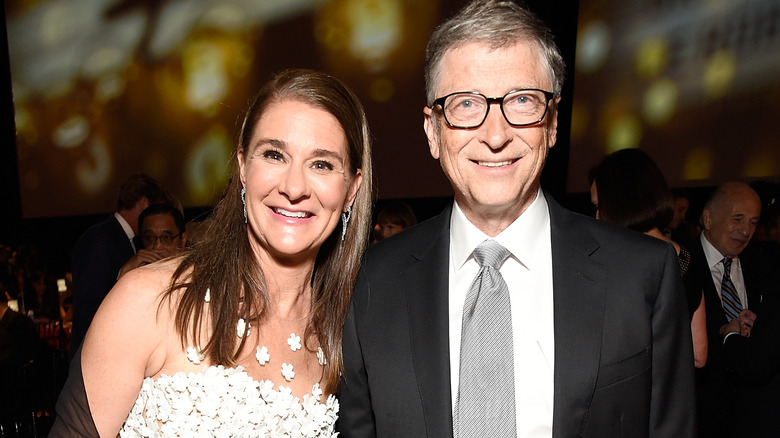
(243, 201)
(345, 216)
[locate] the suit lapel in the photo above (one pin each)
(427, 284)
(579, 299)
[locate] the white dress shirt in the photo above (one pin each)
(127, 228)
(715, 262)
(528, 273)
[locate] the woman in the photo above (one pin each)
(241, 336)
(628, 189)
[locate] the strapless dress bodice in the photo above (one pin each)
(227, 402)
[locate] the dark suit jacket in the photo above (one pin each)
(755, 362)
(715, 385)
(97, 258)
(623, 354)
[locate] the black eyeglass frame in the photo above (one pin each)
(156, 238)
(548, 95)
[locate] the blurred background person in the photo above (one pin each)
(103, 248)
(680, 229)
(734, 282)
(628, 189)
(394, 217)
(20, 348)
(42, 297)
(162, 234)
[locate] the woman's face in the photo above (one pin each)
(297, 180)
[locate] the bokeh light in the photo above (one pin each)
(698, 164)
(624, 133)
(719, 73)
(660, 102)
(593, 44)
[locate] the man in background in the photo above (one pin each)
(163, 234)
(104, 247)
(732, 287)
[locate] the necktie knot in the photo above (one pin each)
(490, 253)
(727, 265)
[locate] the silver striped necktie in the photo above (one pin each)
(485, 405)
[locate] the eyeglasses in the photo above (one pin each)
(166, 239)
(469, 109)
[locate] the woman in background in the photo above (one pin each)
(628, 189)
(241, 336)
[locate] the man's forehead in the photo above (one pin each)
(478, 66)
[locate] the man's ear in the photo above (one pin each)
(552, 133)
(706, 219)
(431, 132)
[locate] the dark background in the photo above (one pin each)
(53, 218)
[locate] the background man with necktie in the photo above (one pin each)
(595, 342)
(729, 219)
(104, 247)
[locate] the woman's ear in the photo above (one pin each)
(241, 166)
(357, 181)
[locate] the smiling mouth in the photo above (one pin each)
(495, 163)
(291, 214)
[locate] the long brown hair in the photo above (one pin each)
(224, 264)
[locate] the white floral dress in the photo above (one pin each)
(227, 402)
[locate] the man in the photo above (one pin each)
(102, 250)
(163, 234)
(599, 343)
(755, 360)
(20, 346)
(729, 219)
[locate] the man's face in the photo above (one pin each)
(159, 232)
(730, 223)
(494, 169)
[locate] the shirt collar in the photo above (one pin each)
(711, 253)
(125, 226)
(522, 237)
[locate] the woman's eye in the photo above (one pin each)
(322, 165)
(273, 155)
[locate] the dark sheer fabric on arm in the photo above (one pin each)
(73, 416)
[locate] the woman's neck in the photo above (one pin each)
(655, 232)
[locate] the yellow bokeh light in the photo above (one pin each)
(652, 57)
(206, 167)
(93, 172)
(660, 102)
(624, 133)
(377, 28)
(760, 164)
(698, 164)
(206, 81)
(719, 73)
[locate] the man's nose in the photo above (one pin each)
(495, 129)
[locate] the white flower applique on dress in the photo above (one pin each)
(227, 402)
(294, 342)
(262, 355)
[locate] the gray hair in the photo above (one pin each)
(497, 23)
